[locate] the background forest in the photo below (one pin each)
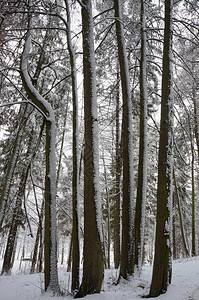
(99, 141)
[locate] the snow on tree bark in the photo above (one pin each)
(93, 266)
(162, 268)
(118, 180)
(127, 150)
(17, 213)
(75, 184)
(142, 168)
(50, 251)
(184, 239)
(12, 163)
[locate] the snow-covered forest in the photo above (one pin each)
(99, 148)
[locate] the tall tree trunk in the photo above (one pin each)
(107, 237)
(193, 250)
(196, 116)
(142, 168)
(50, 247)
(93, 265)
(69, 260)
(174, 227)
(127, 149)
(118, 180)
(50, 251)
(196, 133)
(62, 145)
(75, 180)
(40, 255)
(162, 267)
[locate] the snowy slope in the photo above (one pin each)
(185, 285)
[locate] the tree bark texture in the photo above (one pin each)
(17, 213)
(118, 180)
(193, 250)
(93, 266)
(162, 267)
(142, 167)
(184, 240)
(38, 236)
(75, 180)
(50, 251)
(127, 150)
(12, 162)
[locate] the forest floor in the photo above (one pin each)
(185, 284)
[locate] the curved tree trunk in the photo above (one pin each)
(50, 251)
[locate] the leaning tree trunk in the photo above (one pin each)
(142, 168)
(50, 251)
(93, 265)
(127, 149)
(162, 260)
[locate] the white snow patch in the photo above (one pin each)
(184, 285)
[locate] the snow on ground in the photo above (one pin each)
(185, 284)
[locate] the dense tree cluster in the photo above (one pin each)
(99, 144)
